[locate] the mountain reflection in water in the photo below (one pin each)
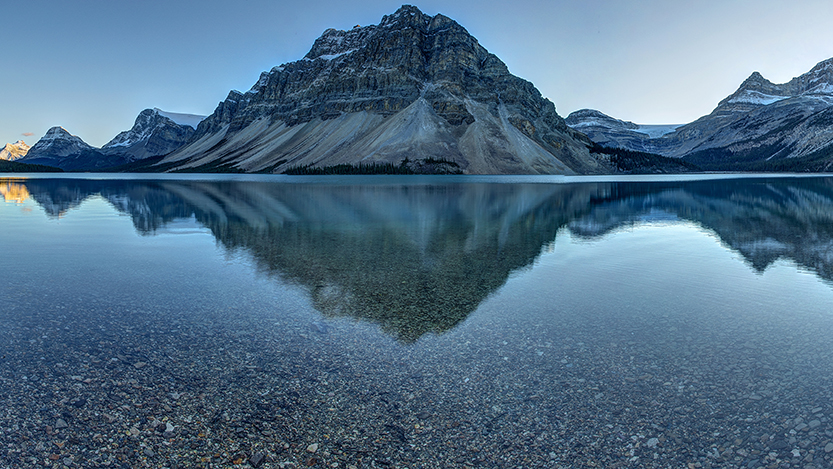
(419, 259)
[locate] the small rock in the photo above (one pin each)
(778, 444)
(60, 423)
(139, 364)
(134, 431)
(814, 423)
(312, 448)
(168, 427)
(828, 447)
(320, 327)
(149, 452)
(652, 442)
(257, 459)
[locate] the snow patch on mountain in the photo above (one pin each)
(657, 130)
(756, 97)
(191, 120)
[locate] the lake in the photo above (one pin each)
(416, 322)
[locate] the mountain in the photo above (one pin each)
(63, 150)
(14, 151)
(761, 126)
(154, 133)
(615, 133)
(414, 90)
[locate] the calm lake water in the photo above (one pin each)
(414, 322)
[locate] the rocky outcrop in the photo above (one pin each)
(14, 151)
(154, 133)
(761, 126)
(414, 86)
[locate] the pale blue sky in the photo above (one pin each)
(92, 65)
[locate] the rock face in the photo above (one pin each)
(762, 126)
(154, 133)
(14, 151)
(413, 87)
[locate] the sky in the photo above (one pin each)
(91, 66)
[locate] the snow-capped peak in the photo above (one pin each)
(58, 142)
(816, 84)
(56, 132)
(14, 151)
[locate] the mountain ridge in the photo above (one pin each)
(761, 126)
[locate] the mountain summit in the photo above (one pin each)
(413, 90)
(154, 133)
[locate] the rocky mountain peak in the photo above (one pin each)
(757, 82)
(14, 151)
(56, 132)
(154, 132)
(58, 146)
(59, 142)
(455, 102)
(405, 16)
(818, 81)
(756, 91)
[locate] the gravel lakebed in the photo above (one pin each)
(246, 386)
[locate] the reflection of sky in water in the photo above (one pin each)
(603, 315)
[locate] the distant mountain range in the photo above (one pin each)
(154, 133)
(418, 94)
(760, 127)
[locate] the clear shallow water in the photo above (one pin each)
(428, 322)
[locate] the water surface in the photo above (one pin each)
(416, 322)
